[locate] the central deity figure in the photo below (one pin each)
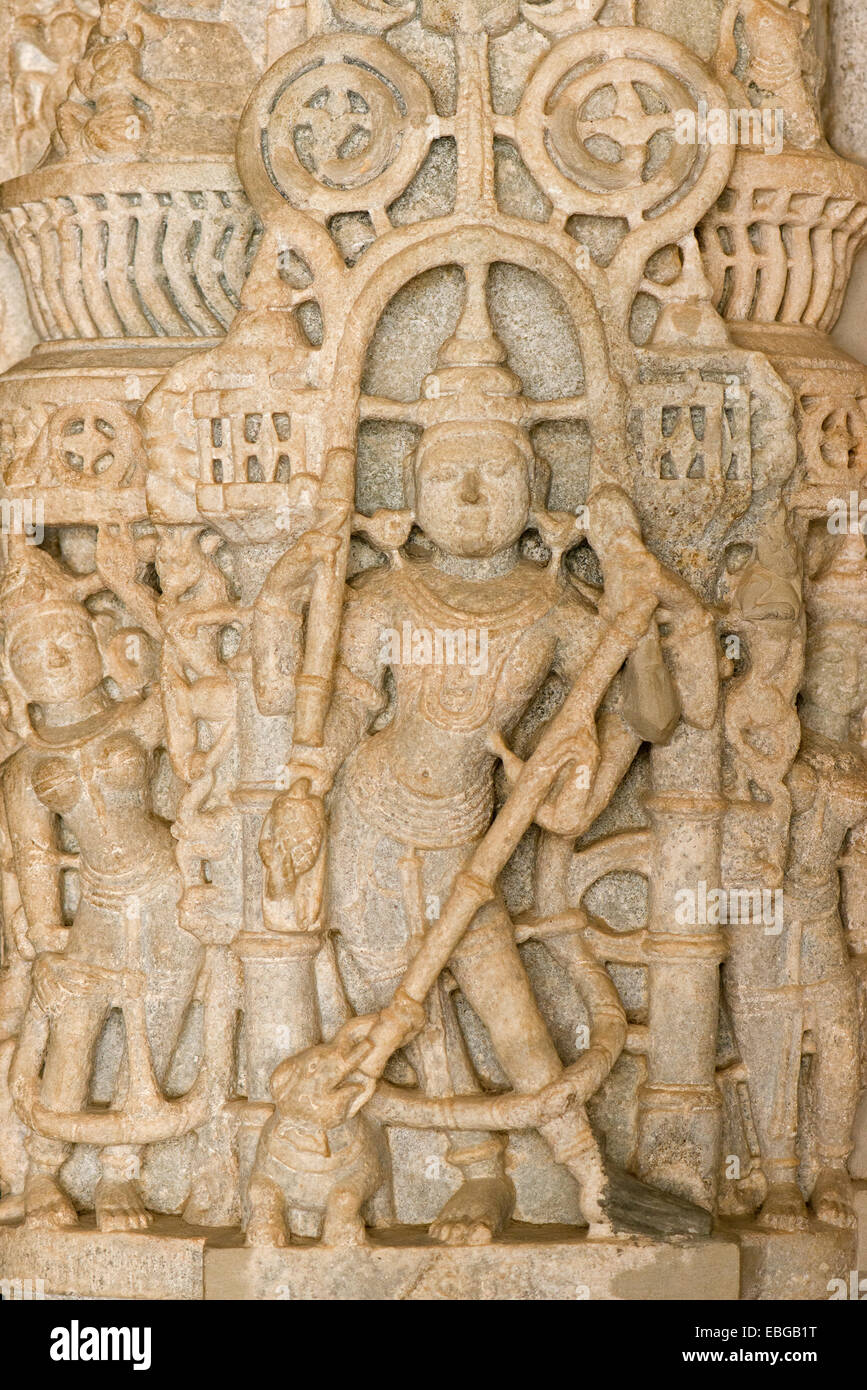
(411, 746)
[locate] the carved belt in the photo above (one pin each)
(113, 890)
(411, 818)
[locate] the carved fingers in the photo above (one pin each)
(311, 549)
(56, 980)
(577, 760)
(397, 1024)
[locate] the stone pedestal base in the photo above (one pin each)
(795, 1266)
(174, 1261)
(165, 1262)
(532, 1262)
(861, 1213)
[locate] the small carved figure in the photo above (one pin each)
(792, 988)
(761, 725)
(765, 43)
(40, 86)
(86, 766)
(110, 109)
(315, 1168)
(793, 992)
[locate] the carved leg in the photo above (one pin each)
(343, 1224)
(65, 1081)
(834, 1095)
(379, 1210)
(769, 1029)
(13, 1153)
(213, 1198)
(117, 1200)
(266, 1225)
(573, 1144)
(483, 1204)
(491, 974)
(478, 1212)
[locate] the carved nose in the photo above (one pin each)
(470, 489)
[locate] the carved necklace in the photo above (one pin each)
(512, 602)
(82, 731)
(460, 696)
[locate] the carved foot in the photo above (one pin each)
(476, 1214)
(783, 1209)
(46, 1205)
(266, 1233)
(832, 1198)
(343, 1224)
(119, 1206)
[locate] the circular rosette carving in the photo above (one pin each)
(604, 126)
(337, 125)
(93, 446)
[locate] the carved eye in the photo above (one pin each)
(449, 475)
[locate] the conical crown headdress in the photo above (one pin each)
(471, 386)
(34, 585)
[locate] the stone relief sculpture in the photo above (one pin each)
(86, 760)
(765, 53)
(110, 108)
(414, 800)
(433, 740)
(45, 48)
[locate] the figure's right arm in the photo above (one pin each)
(359, 688)
(34, 856)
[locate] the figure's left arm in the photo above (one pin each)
(633, 578)
(603, 754)
(148, 722)
(853, 877)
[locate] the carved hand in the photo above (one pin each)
(292, 838)
(577, 758)
(397, 1024)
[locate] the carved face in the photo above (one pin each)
(55, 657)
(307, 1086)
(115, 17)
(473, 498)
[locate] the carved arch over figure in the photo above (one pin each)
(603, 400)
